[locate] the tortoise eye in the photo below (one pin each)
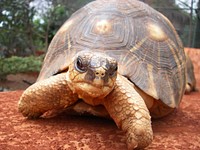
(80, 65)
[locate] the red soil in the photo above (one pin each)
(180, 130)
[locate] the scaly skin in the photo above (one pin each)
(128, 110)
(49, 94)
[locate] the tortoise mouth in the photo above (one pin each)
(91, 94)
(92, 90)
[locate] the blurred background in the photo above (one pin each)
(27, 27)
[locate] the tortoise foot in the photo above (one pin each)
(128, 110)
(49, 94)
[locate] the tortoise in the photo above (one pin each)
(119, 58)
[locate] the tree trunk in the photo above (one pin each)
(47, 35)
(191, 25)
(197, 32)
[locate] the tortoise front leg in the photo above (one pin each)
(45, 95)
(130, 113)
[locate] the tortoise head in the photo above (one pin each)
(92, 76)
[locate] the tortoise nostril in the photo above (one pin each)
(100, 73)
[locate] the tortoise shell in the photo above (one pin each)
(143, 41)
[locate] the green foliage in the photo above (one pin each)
(16, 27)
(21, 34)
(16, 64)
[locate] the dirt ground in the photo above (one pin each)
(178, 131)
